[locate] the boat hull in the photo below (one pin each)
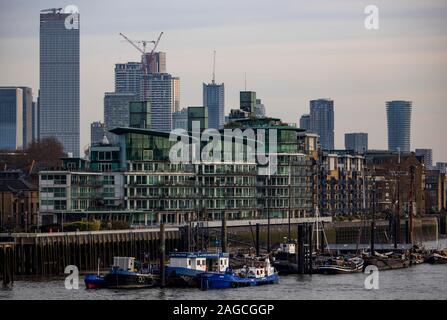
(182, 277)
(93, 281)
(211, 280)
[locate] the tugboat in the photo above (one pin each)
(184, 267)
(255, 275)
(124, 274)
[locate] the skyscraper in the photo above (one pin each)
(11, 118)
(259, 109)
(116, 111)
(59, 78)
(322, 121)
(357, 142)
(27, 114)
(128, 77)
(399, 125)
(162, 91)
(214, 101)
(427, 155)
(305, 122)
(247, 100)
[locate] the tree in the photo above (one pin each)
(47, 152)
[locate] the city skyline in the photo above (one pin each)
(408, 35)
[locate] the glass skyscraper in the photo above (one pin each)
(214, 100)
(322, 121)
(399, 125)
(357, 142)
(11, 118)
(59, 79)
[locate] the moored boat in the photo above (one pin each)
(123, 275)
(437, 258)
(256, 275)
(184, 267)
(340, 265)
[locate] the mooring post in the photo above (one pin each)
(407, 232)
(300, 255)
(224, 232)
(162, 255)
(257, 240)
(310, 232)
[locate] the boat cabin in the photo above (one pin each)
(200, 261)
(289, 248)
(124, 263)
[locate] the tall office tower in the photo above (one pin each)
(427, 155)
(259, 109)
(11, 118)
(59, 78)
(305, 122)
(180, 119)
(161, 90)
(128, 77)
(358, 142)
(322, 121)
(399, 125)
(35, 124)
(140, 114)
(247, 101)
(197, 114)
(97, 132)
(214, 101)
(116, 111)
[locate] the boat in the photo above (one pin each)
(255, 275)
(386, 261)
(437, 258)
(184, 267)
(94, 281)
(124, 274)
(285, 259)
(340, 265)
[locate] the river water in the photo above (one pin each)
(419, 282)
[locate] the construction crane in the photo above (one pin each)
(146, 60)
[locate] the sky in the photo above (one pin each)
(291, 52)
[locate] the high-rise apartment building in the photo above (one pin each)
(128, 77)
(399, 125)
(116, 111)
(162, 91)
(97, 131)
(322, 121)
(59, 78)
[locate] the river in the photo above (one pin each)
(419, 282)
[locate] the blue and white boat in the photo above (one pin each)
(124, 274)
(184, 267)
(245, 277)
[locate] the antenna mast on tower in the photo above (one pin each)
(214, 67)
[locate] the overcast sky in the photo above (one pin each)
(292, 51)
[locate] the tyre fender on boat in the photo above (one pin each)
(140, 279)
